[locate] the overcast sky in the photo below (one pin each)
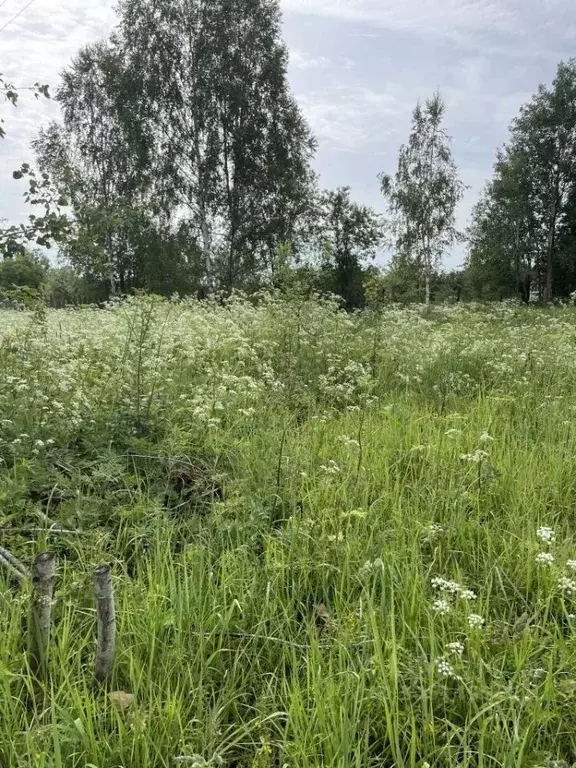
(357, 68)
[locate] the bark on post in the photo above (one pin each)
(106, 615)
(43, 576)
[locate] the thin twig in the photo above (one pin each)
(55, 530)
(298, 646)
(12, 563)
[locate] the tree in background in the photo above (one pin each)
(92, 165)
(545, 131)
(522, 233)
(25, 269)
(346, 235)
(424, 193)
(230, 150)
(502, 238)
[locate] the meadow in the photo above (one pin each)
(337, 540)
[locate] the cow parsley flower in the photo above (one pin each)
(475, 621)
(546, 534)
(331, 468)
(567, 585)
(475, 458)
(445, 586)
(456, 648)
(441, 606)
(446, 670)
(545, 558)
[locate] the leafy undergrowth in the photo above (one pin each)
(336, 540)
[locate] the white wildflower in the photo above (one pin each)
(546, 534)
(567, 585)
(441, 606)
(475, 458)
(446, 586)
(545, 558)
(475, 621)
(446, 670)
(350, 441)
(453, 588)
(571, 564)
(485, 437)
(331, 468)
(456, 648)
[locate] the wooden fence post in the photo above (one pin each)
(43, 576)
(106, 615)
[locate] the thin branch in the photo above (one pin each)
(298, 646)
(52, 530)
(12, 563)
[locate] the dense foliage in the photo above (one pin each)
(336, 539)
(182, 164)
(522, 234)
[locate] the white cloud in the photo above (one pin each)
(299, 60)
(35, 47)
(446, 17)
(352, 117)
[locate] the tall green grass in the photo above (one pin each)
(277, 485)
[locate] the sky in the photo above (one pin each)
(357, 68)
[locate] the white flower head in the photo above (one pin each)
(485, 437)
(567, 585)
(546, 534)
(545, 558)
(571, 564)
(456, 648)
(446, 670)
(441, 606)
(475, 621)
(331, 468)
(475, 458)
(443, 585)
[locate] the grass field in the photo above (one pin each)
(340, 541)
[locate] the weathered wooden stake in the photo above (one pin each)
(106, 615)
(43, 576)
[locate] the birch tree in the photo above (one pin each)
(424, 192)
